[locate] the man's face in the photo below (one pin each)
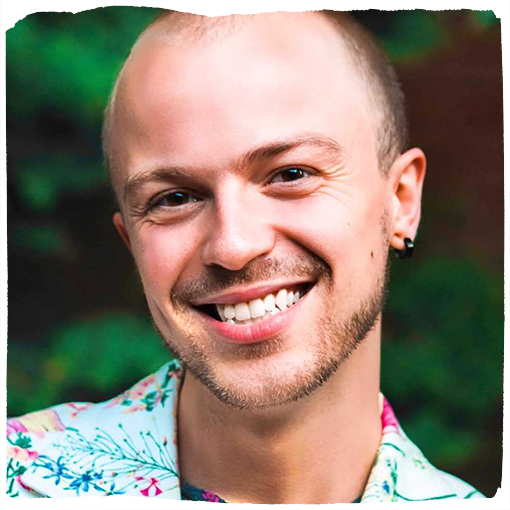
(250, 166)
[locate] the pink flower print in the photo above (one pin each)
(210, 496)
(388, 419)
(140, 390)
(78, 408)
(40, 422)
(133, 409)
(14, 425)
(137, 392)
(147, 492)
(116, 401)
(21, 454)
(26, 487)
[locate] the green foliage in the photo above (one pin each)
(442, 355)
(447, 351)
(44, 180)
(37, 189)
(98, 355)
(60, 69)
(485, 19)
(73, 58)
(412, 34)
(37, 239)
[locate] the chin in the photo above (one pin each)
(282, 369)
(272, 383)
(265, 375)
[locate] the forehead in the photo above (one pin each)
(272, 78)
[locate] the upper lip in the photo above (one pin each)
(245, 294)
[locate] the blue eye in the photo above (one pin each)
(290, 175)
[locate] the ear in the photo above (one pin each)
(118, 221)
(407, 176)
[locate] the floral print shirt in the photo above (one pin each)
(128, 445)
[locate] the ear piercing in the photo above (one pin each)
(408, 252)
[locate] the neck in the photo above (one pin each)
(317, 450)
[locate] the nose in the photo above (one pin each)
(240, 231)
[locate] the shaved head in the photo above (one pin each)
(237, 144)
(376, 74)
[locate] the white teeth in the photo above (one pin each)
(242, 311)
(257, 308)
(269, 302)
(281, 299)
(229, 311)
(221, 312)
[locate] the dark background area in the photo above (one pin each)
(78, 324)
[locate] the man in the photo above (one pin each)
(262, 174)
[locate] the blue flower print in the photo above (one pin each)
(58, 469)
(84, 481)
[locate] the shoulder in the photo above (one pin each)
(418, 479)
(25, 438)
(402, 473)
(40, 444)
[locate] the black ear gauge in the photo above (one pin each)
(408, 252)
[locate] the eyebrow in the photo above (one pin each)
(280, 147)
(164, 174)
(253, 156)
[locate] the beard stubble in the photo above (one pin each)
(336, 340)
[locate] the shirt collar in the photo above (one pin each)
(128, 445)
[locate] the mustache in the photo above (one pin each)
(218, 279)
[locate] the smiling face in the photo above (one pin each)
(250, 166)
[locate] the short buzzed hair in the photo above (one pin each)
(383, 85)
(369, 59)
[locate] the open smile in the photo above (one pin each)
(257, 319)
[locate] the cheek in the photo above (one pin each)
(347, 234)
(161, 254)
(322, 225)
(330, 220)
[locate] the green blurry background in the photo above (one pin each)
(79, 327)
